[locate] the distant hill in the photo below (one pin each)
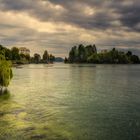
(59, 59)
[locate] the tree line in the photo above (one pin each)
(16, 57)
(89, 54)
(8, 57)
(46, 58)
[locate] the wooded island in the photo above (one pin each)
(89, 54)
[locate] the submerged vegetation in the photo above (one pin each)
(89, 54)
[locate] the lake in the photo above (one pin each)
(72, 102)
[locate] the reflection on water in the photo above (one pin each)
(72, 102)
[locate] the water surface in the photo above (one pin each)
(72, 102)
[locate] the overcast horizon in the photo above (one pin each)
(57, 25)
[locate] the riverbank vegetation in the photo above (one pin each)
(5, 73)
(16, 56)
(46, 58)
(89, 54)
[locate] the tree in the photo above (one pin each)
(73, 54)
(8, 54)
(37, 58)
(5, 52)
(94, 58)
(52, 58)
(5, 73)
(90, 49)
(135, 59)
(46, 56)
(15, 53)
(81, 53)
(129, 53)
(89, 54)
(25, 57)
(66, 60)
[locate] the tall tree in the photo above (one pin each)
(81, 53)
(46, 57)
(73, 54)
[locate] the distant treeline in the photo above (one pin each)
(16, 57)
(89, 54)
(46, 58)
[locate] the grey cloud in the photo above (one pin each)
(101, 19)
(106, 14)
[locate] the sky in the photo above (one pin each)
(57, 25)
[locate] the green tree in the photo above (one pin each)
(52, 58)
(90, 49)
(94, 58)
(89, 54)
(37, 58)
(66, 60)
(8, 54)
(5, 73)
(135, 59)
(15, 53)
(25, 57)
(129, 53)
(73, 54)
(2, 50)
(46, 56)
(81, 53)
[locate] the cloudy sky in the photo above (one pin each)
(57, 25)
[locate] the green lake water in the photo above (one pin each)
(72, 102)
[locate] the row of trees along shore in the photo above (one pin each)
(10, 57)
(89, 54)
(46, 58)
(16, 57)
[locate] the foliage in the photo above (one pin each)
(66, 60)
(88, 54)
(5, 73)
(81, 53)
(37, 58)
(52, 58)
(22, 58)
(15, 53)
(5, 52)
(46, 56)
(25, 57)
